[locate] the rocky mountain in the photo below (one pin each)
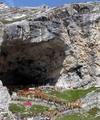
(59, 45)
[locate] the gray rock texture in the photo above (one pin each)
(91, 100)
(4, 96)
(59, 45)
(4, 102)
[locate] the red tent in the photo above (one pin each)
(27, 104)
(26, 90)
(37, 92)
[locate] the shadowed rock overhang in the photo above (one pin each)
(31, 63)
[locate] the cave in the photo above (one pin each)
(31, 63)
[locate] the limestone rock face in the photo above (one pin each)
(4, 101)
(59, 45)
(4, 96)
(91, 100)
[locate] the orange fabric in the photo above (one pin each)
(37, 92)
(26, 90)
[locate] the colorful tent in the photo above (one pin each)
(27, 103)
(37, 92)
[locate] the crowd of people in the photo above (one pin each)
(48, 115)
(39, 116)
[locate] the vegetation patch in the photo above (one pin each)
(38, 109)
(71, 95)
(19, 108)
(90, 115)
(75, 116)
(93, 111)
(97, 90)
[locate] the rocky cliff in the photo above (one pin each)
(4, 102)
(59, 45)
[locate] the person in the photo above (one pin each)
(41, 118)
(34, 115)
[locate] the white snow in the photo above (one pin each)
(3, 6)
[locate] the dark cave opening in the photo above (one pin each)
(18, 77)
(22, 79)
(36, 64)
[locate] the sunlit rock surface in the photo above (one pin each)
(4, 96)
(58, 45)
(4, 102)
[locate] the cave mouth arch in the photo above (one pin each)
(32, 63)
(21, 79)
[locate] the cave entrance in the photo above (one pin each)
(32, 63)
(17, 78)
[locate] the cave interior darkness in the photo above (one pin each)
(36, 64)
(17, 78)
